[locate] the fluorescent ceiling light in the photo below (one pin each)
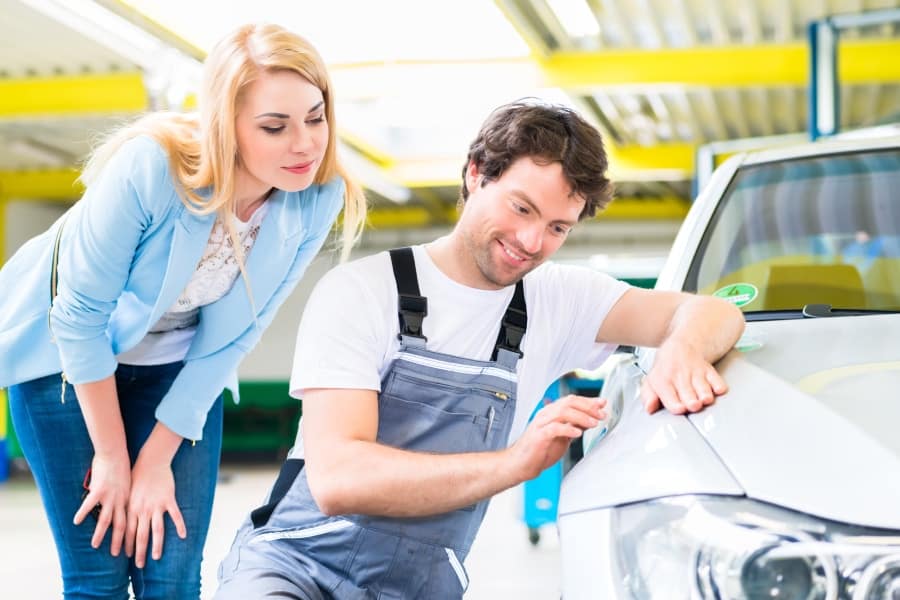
(169, 72)
(576, 17)
(103, 27)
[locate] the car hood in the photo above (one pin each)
(812, 418)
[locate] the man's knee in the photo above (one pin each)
(264, 583)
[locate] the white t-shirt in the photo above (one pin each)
(348, 334)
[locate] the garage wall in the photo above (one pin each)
(25, 219)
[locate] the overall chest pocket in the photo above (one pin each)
(425, 414)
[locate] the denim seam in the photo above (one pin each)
(137, 580)
(60, 525)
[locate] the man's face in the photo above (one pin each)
(512, 225)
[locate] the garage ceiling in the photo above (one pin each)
(415, 78)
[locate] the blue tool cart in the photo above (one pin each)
(541, 494)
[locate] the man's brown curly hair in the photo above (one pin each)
(547, 133)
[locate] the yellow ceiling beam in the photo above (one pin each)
(668, 207)
(621, 209)
(710, 66)
(61, 185)
(3, 227)
(868, 61)
(672, 162)
(406, 217)
(630, 163)
(49, 184)
(366, 149)
(73, 95)
(860, 61)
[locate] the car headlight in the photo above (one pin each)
(724, 548)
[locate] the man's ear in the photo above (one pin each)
(473, 178)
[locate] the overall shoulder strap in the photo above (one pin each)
(412, 306)
(512, 329)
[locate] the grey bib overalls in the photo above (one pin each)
(429, 402)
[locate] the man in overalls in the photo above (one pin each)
(418, 367)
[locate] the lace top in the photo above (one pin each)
(216, 272)
(168, 340)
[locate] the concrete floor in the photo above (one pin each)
(502, 563)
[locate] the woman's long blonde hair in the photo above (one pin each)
(202, 147)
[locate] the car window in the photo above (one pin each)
(821, 230)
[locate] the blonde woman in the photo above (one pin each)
(192, 232)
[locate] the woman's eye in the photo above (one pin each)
(316, 120)
(520, 209)
(273, 130)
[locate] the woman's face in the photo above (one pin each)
(282, 133)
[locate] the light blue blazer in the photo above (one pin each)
(128, 249)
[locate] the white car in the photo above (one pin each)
(789, 485)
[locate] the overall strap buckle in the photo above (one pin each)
(413, 310)
(512, 328)
(412, 307)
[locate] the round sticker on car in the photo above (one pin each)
(739, 294)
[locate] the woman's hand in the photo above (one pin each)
(109, 487)
(110, 481)
(152, 496)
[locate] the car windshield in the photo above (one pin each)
(821, 230)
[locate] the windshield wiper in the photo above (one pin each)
(826, 310)
(811, 311)
(782, 314)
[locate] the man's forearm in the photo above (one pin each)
(708, 325)
(370, 478)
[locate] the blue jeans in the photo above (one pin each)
(56, 444)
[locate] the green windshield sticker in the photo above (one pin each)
(739, 294)
(748, 343)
